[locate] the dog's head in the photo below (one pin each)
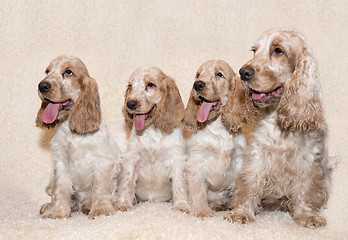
(68, 92)
(209, 94)
(152, 98)
(282, 75)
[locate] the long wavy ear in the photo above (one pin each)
(128, 118)
(239, 109)
(171, 110)
(85, 116)
(300, 106)
(189, 122)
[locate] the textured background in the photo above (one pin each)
(115, 37)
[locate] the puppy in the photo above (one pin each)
(214, 152)
(286, 166)
(152, 168)
(84, 153)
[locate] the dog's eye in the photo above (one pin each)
(197, 75)
(219, 74)
(150, 85)
(68, 72)
(253, 49)
(278, 51)
(47, 71)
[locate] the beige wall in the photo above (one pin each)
(115, 37)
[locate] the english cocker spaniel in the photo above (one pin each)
(152, 167)
(84, 153)
(286, 166)
(214, 152)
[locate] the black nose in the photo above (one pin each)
(246, 73)
(199, 86)
(44, 87)
(132, 105)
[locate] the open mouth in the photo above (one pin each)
(259, 96)
(205, 108)
(141, 118)
(50, 113)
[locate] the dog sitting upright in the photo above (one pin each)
(84, 153)
(286, 165)
(214, 153)
(152, 167)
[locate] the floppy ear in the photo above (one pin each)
(128, 118)
(300, 105)
(85, 116)
(171, 110)
(239, 109)
(39, 122)
(189, 122)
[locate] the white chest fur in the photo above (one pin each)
(215, 155)
(156, 158)
(81, 155)
(284, 155)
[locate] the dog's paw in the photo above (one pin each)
(219, 206)
(203, 212)
(86, 208)
(123, 207)
(182, 207)
(56, 212)
(101, 210)
(45, 207)
(239, 217)
(310, 221)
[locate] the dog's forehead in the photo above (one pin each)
(264, 43)
(212, 66)
(63, 61)
(153, 71)
(208, 67)
(140, 75)
(137, 77)
(222, 66)
(277, 37)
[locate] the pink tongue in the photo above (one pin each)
(257, 96)
(50, 113)
(204, 111)
(139, 121)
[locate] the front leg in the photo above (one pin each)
(244, 202)
(126, 189)
(61, 188)
(179, 187)
(198, 195)
(49, 191)
(179, 184)
(310, 193)
(247, 193)
(103, 190)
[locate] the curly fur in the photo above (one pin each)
(84, 153)
(286, 166)
(153, 163)
(214, 154)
